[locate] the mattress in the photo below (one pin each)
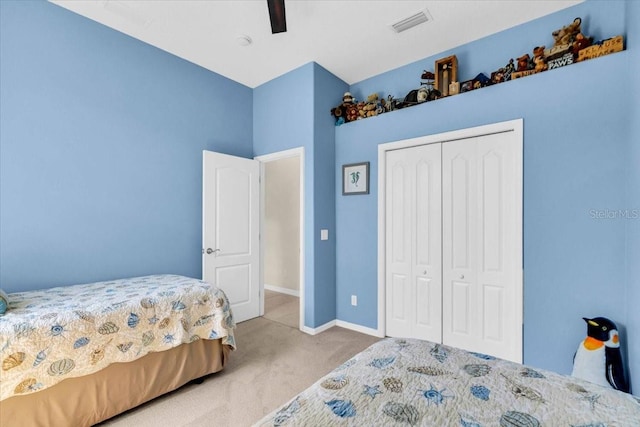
(400, 382)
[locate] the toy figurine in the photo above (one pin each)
(598, 357)
(508, 69)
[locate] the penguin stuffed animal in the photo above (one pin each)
(598, 357)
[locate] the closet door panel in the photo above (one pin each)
(499, 249)
(413, 191)
(428, 240)
(459, 216)
(399, 310)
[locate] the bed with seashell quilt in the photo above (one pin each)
(78, 355)
(405, 382)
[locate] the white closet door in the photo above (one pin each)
(413, 236)
(482, 245)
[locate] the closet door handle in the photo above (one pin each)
(461, 276)
(211, 251)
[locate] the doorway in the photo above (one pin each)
(282, 237)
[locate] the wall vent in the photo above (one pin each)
(413, 20)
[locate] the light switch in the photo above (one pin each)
(324, 234)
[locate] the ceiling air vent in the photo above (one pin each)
(413, 20)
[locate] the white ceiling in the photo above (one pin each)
(350, 38)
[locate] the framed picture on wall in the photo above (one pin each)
(355, 178)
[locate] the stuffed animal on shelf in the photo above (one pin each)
(422, 95)
(524, 62)
(341, 112)
(580, 43)
(540, 63)
(371, 106)
(598, 357)
(566, 35)
(362, 113)
(352, 112)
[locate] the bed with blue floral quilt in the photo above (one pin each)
(406, 382)
(52, 339)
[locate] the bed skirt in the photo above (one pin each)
(87, 400)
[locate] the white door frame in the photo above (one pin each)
(515, 126)
(294, 152)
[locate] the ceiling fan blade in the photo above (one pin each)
(277, 16)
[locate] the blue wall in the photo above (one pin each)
(576, 133)
(293, 111)
(326, 86)
(101, 150)
(283, 119)
(633, 198)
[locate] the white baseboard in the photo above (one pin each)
(359, 328)
(319, 329)
(292, 292)
(342, 324)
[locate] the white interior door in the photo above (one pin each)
(482, 244)
(230, 230)
(413, 236)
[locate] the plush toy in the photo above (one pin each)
(540, 63)
(580, 43)
(434, 94)
(371, 106)
(352, 112)
(566, 35)
(423, 94)
(524, 62)
(497, 76)
(598, 357)
(341, 112)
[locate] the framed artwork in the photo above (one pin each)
(355, 179)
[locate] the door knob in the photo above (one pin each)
(425, 272)
(211, 251)
(462, 276)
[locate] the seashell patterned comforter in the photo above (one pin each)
(49, 335)
(404, 382)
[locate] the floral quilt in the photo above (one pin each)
(404, 382)
(49, 335)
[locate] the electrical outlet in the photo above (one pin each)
(354, 300)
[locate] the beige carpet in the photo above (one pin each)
(273, 363)
(282, 308)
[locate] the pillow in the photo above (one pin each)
(4, 302)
